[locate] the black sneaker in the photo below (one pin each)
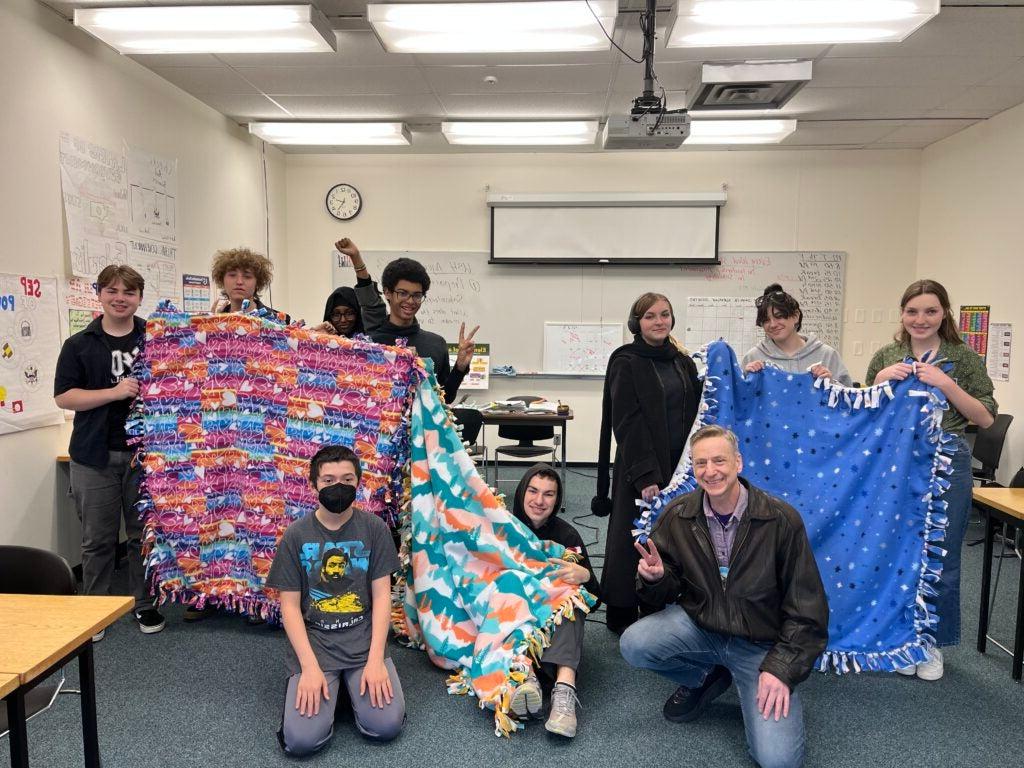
(687, 704)
(198, 614)
(150, 620)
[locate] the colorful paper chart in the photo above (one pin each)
(974, 327)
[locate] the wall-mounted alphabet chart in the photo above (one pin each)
(29, 345)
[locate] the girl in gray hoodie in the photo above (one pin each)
(779, 315)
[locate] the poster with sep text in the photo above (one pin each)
(29, 345)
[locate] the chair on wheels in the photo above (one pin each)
(28, 571)
(469, 422)
(526, 434)
(988, 448)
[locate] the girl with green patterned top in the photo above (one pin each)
(928, 338)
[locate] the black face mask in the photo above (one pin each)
(337, 498)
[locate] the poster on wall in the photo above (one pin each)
(121, 208)
(195, 292)
(95, 193)
(974, 327)
(78, 305)
(479, 373)
(28, 352)
(1000, 344)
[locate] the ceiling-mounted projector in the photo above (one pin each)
(649, 125)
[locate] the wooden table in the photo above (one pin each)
(39, 634)
(528, 419)
(8, 683)
(1001, 506)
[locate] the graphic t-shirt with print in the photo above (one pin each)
(123, 350)
(333, 571)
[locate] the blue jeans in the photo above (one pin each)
(958, 510)
(668, 642)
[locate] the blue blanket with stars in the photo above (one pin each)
(865, 468)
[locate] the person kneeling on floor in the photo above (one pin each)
(745, 602)
(333, 568)
(537, 501)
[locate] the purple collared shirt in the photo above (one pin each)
(724, 536)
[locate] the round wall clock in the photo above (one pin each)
(344, 202)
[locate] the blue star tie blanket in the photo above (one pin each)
(866, 469)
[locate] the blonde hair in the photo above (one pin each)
(242, 258)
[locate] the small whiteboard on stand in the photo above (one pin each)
(580, 347)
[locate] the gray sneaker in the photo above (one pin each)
(526, 699)
(562, 720)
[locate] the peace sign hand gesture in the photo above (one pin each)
(650, 568)
(465, 348)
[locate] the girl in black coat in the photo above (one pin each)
(651, 394)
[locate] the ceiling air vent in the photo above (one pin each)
(749, 85)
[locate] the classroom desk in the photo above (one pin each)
(1001, 505)
(39, 634)
(504, 418)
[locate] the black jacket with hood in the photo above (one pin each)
(555, 528)
(773, 592)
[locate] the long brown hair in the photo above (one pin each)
(647, 300)
(947, 331)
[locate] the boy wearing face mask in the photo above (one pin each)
(333, 569)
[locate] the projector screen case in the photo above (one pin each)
(605, 229)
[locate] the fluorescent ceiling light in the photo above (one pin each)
(210, 29)
(547, 132)
(332, 134)
(492, 27)
(739, 131)
(709, 23)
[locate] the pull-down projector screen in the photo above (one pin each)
(667, 228)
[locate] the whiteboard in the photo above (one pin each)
(512, 303)
(580, 347)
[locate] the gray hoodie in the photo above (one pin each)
(814, 351)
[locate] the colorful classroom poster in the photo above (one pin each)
(974, 327)
(28, 352)
(479, 367)
(1000, 344)
(78, 305)
(195, 292)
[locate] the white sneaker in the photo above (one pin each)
(908, 671)
(99, 635)
(931, 669)
(526, 699)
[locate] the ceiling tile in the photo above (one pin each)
(243, 107)
(200, 80)
(908, 71)
(869, 103)
(522, 106)
(927, 131)
(578, 78)
(835, 132)
(311, 81)
(981, 101)
(360, 107)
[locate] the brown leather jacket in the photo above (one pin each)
(773, 592)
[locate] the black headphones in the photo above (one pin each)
(633, 321)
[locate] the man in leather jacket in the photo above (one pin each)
(744, 602)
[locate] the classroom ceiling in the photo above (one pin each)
(962, 67)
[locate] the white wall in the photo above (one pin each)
(970, 235)
(58, 78)
(865, 203)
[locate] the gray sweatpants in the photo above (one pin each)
(302, 735)
(566, 647)
(102, 497)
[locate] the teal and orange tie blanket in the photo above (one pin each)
(865, 468)
(231, 409)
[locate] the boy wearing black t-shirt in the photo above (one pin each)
(93, 379)
(333, 569)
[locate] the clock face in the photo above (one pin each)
(344, 202)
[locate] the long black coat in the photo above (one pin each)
(639, 422)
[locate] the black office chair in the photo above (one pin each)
(469, 422)
(28, 571)
(988, 448)
(526, 448)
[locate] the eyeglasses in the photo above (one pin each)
(416, 298)
(760, 300)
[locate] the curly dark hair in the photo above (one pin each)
(404, 269)
(782, 304)
(242, 258)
